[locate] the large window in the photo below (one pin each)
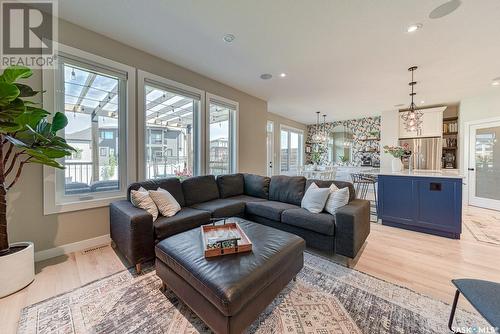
(170, 117)
(222, 143)
(291, 150)
(93, 92)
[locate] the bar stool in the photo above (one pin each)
(362, 183)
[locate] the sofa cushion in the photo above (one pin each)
(142, 199)
(323, 223)
(166, 203)
(220, 208)
(337, 199)
(246, 199)
(199, 189)
(315, 198)
(287, 189)
(230, 185)
(338, 184)
(268, 209)
(171, 184)
(256, 185)
(184, 220)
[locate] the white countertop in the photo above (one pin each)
(456, 174)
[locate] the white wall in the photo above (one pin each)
(483, 107)
(389, 134)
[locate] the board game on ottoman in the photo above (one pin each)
(229, 292)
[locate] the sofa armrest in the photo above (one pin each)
(352, 227)
(132, 231)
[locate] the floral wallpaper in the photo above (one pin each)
(363, 130)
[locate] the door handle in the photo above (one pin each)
(471, 169)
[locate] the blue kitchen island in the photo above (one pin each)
(428, 202)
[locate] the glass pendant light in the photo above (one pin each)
(316, 136)
(413, 117)
(324, 136)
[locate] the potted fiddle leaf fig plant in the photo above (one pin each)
(27, 136)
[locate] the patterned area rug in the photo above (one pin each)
(483, 224)
(326, 298)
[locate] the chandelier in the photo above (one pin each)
(320, 135)
(412, 118)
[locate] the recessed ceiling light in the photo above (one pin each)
(496, 82)
(228, 38)
(422, 102)
(414, 27)
(445, 9)
(283, 75)
(266, 76)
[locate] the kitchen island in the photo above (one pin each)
(423, 201)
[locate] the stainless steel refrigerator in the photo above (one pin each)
(427, 152)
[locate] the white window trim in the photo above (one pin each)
(292, 129)
(142, 76)
(234, 129)
(49, 173)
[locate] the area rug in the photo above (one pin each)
(483, 224)
(326, 298)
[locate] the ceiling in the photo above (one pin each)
(348, 59)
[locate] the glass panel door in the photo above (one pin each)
(291, 151)
(484, 165)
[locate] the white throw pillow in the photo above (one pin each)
(166, 203)
(338, 197)
(140, 199)
(315, 198)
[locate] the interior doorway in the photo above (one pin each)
(484, 165)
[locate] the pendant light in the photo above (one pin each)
(316, 136)
(324, 135)
(413, 117)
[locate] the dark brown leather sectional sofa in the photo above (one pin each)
(271, 201)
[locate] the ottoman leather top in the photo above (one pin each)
(230, 281)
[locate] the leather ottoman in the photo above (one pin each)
(229, 292)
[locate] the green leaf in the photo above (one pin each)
(53, 153)
(7, 127)
(16, 142)
(60, 142)
(37, 135)
(13, 73)
(31, 117)
(43, 128)
(8, 93)
(59, 122)
(51, 163)
(12, 110)
(25, 90)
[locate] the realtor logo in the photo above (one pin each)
(29, 29)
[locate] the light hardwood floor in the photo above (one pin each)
(421, 262)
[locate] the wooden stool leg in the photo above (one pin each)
(163, 287)
(138, 268)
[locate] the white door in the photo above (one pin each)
(270, 148)
(484, 165)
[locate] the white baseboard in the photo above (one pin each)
(73, 247)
